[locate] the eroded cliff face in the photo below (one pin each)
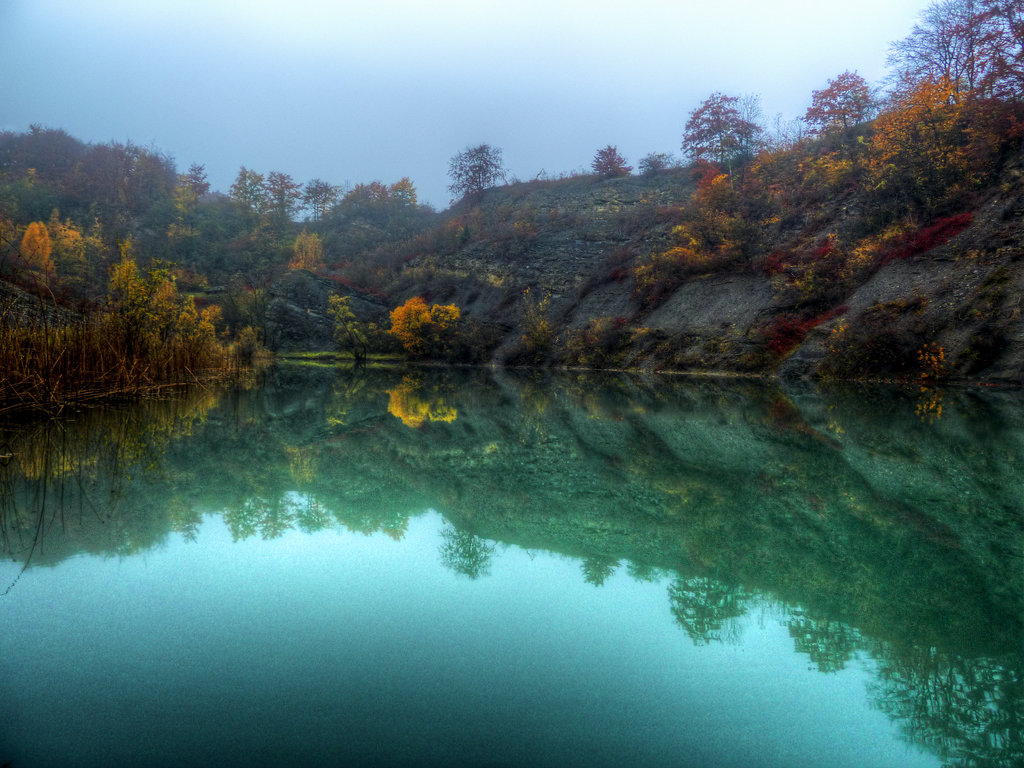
(297, 318)
(960, 301)
(950, 311)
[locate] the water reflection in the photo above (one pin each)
(881, 525)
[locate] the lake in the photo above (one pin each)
(426, 567)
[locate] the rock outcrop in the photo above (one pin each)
(297, 317)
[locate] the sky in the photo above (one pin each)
(352, 92)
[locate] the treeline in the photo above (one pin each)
(122, 273)
(88, 200)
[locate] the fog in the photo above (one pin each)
(353, 92)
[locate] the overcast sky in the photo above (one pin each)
(381, 89)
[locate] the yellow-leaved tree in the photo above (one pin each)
(309, 253)
(68, 250)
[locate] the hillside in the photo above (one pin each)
(876, 246)
(830, 288)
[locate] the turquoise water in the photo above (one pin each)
(449, 569)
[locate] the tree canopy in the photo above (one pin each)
(475, 169)
(717, 131)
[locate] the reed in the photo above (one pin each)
(47, 364)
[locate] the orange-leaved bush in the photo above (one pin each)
(425, 330)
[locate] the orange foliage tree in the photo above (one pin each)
(923, 150)
(36, 248)
(425, 331)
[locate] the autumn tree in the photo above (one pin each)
(318, 196)
(921, 152)
(403, 192)
(845, 102)
(425, 330)
(609, 163)
(309, 252)
(152, 321)
(36, 248)
(69, 249)
(190, 188)
(194, 182)
(951, 42)
(348, 332)
(717, 131)
(249, 192)
(475, 169)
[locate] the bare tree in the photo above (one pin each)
(1003, 33)
(953, 41)
(475, 169)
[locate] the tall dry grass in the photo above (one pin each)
(46, 364)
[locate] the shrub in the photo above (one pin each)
(425, 331)
(935, 234)
(600, 345)
(786, 332)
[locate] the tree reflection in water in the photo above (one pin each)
(465, 553)
(704, 608)
(877, 534)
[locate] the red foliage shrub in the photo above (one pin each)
(775, 262)
(618, 275)
(704, 172)
(787, 331)
(935, 234)
(824, 249)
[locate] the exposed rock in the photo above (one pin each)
(576, 242)
(297, 317)
(19, 307)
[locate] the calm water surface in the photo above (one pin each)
(395, 568)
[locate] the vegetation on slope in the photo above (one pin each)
(592, 270)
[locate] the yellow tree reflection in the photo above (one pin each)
(415, 407)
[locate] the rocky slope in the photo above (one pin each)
(578, 242)
(297, 318)
(949, 311)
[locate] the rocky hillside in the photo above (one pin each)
(944, 301)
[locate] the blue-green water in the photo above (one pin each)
(448, 569)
